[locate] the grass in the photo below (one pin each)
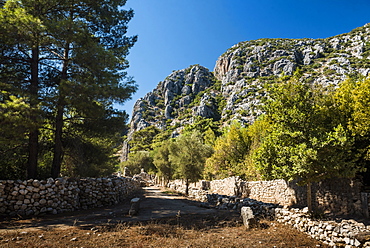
(222, 230)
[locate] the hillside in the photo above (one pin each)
(236, 86)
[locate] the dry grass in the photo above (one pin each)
(222, 230)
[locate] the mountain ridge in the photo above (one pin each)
(235, 88)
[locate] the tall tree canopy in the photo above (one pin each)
(67, 60)
(307, 140)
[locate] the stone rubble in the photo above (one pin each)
(135, 206)
(34, 197)
(336, 233)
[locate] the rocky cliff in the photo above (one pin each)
(236, 87)
(175, 101)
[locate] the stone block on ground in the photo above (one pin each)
(248, 217)
(135, 206)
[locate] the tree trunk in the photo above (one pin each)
(58, 145)
(59, 121)
(33, 140)
(309, 197)
(187, 187)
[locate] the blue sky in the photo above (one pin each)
(174, 34)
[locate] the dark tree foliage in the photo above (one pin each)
(142, 140)
(66, 61)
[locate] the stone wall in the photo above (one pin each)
(337, 196)
(334, 231)
(33, 197)
(339, 233)
(264, 197)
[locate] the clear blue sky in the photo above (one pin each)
(174, 34)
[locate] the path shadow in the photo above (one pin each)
(154, 205)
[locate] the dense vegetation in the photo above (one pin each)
(307, 132)
(62, 68)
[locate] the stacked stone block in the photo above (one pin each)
(335, 196)
(338, 233)
(338, 196)
(34, 197)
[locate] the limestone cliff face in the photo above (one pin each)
(235, 88)
(176, 100)
(245, 67)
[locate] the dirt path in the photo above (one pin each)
(155, 204)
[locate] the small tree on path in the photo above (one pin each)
(188, 153)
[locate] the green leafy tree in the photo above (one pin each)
(352, 98)
(306, 140)
(230, 151)
(256, 133)
(14, 112)
(139, 160)
(188, 153)
(353, 101)
(161, 160)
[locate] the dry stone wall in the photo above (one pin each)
(277, 191)
(34, 197)
(346, 233)
(336, 196)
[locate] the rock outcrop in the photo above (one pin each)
(177, 96)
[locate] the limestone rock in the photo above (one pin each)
(135, 206)
(248, 217)
(168, 111)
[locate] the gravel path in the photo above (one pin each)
(155, 204)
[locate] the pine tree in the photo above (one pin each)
(73, 56)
